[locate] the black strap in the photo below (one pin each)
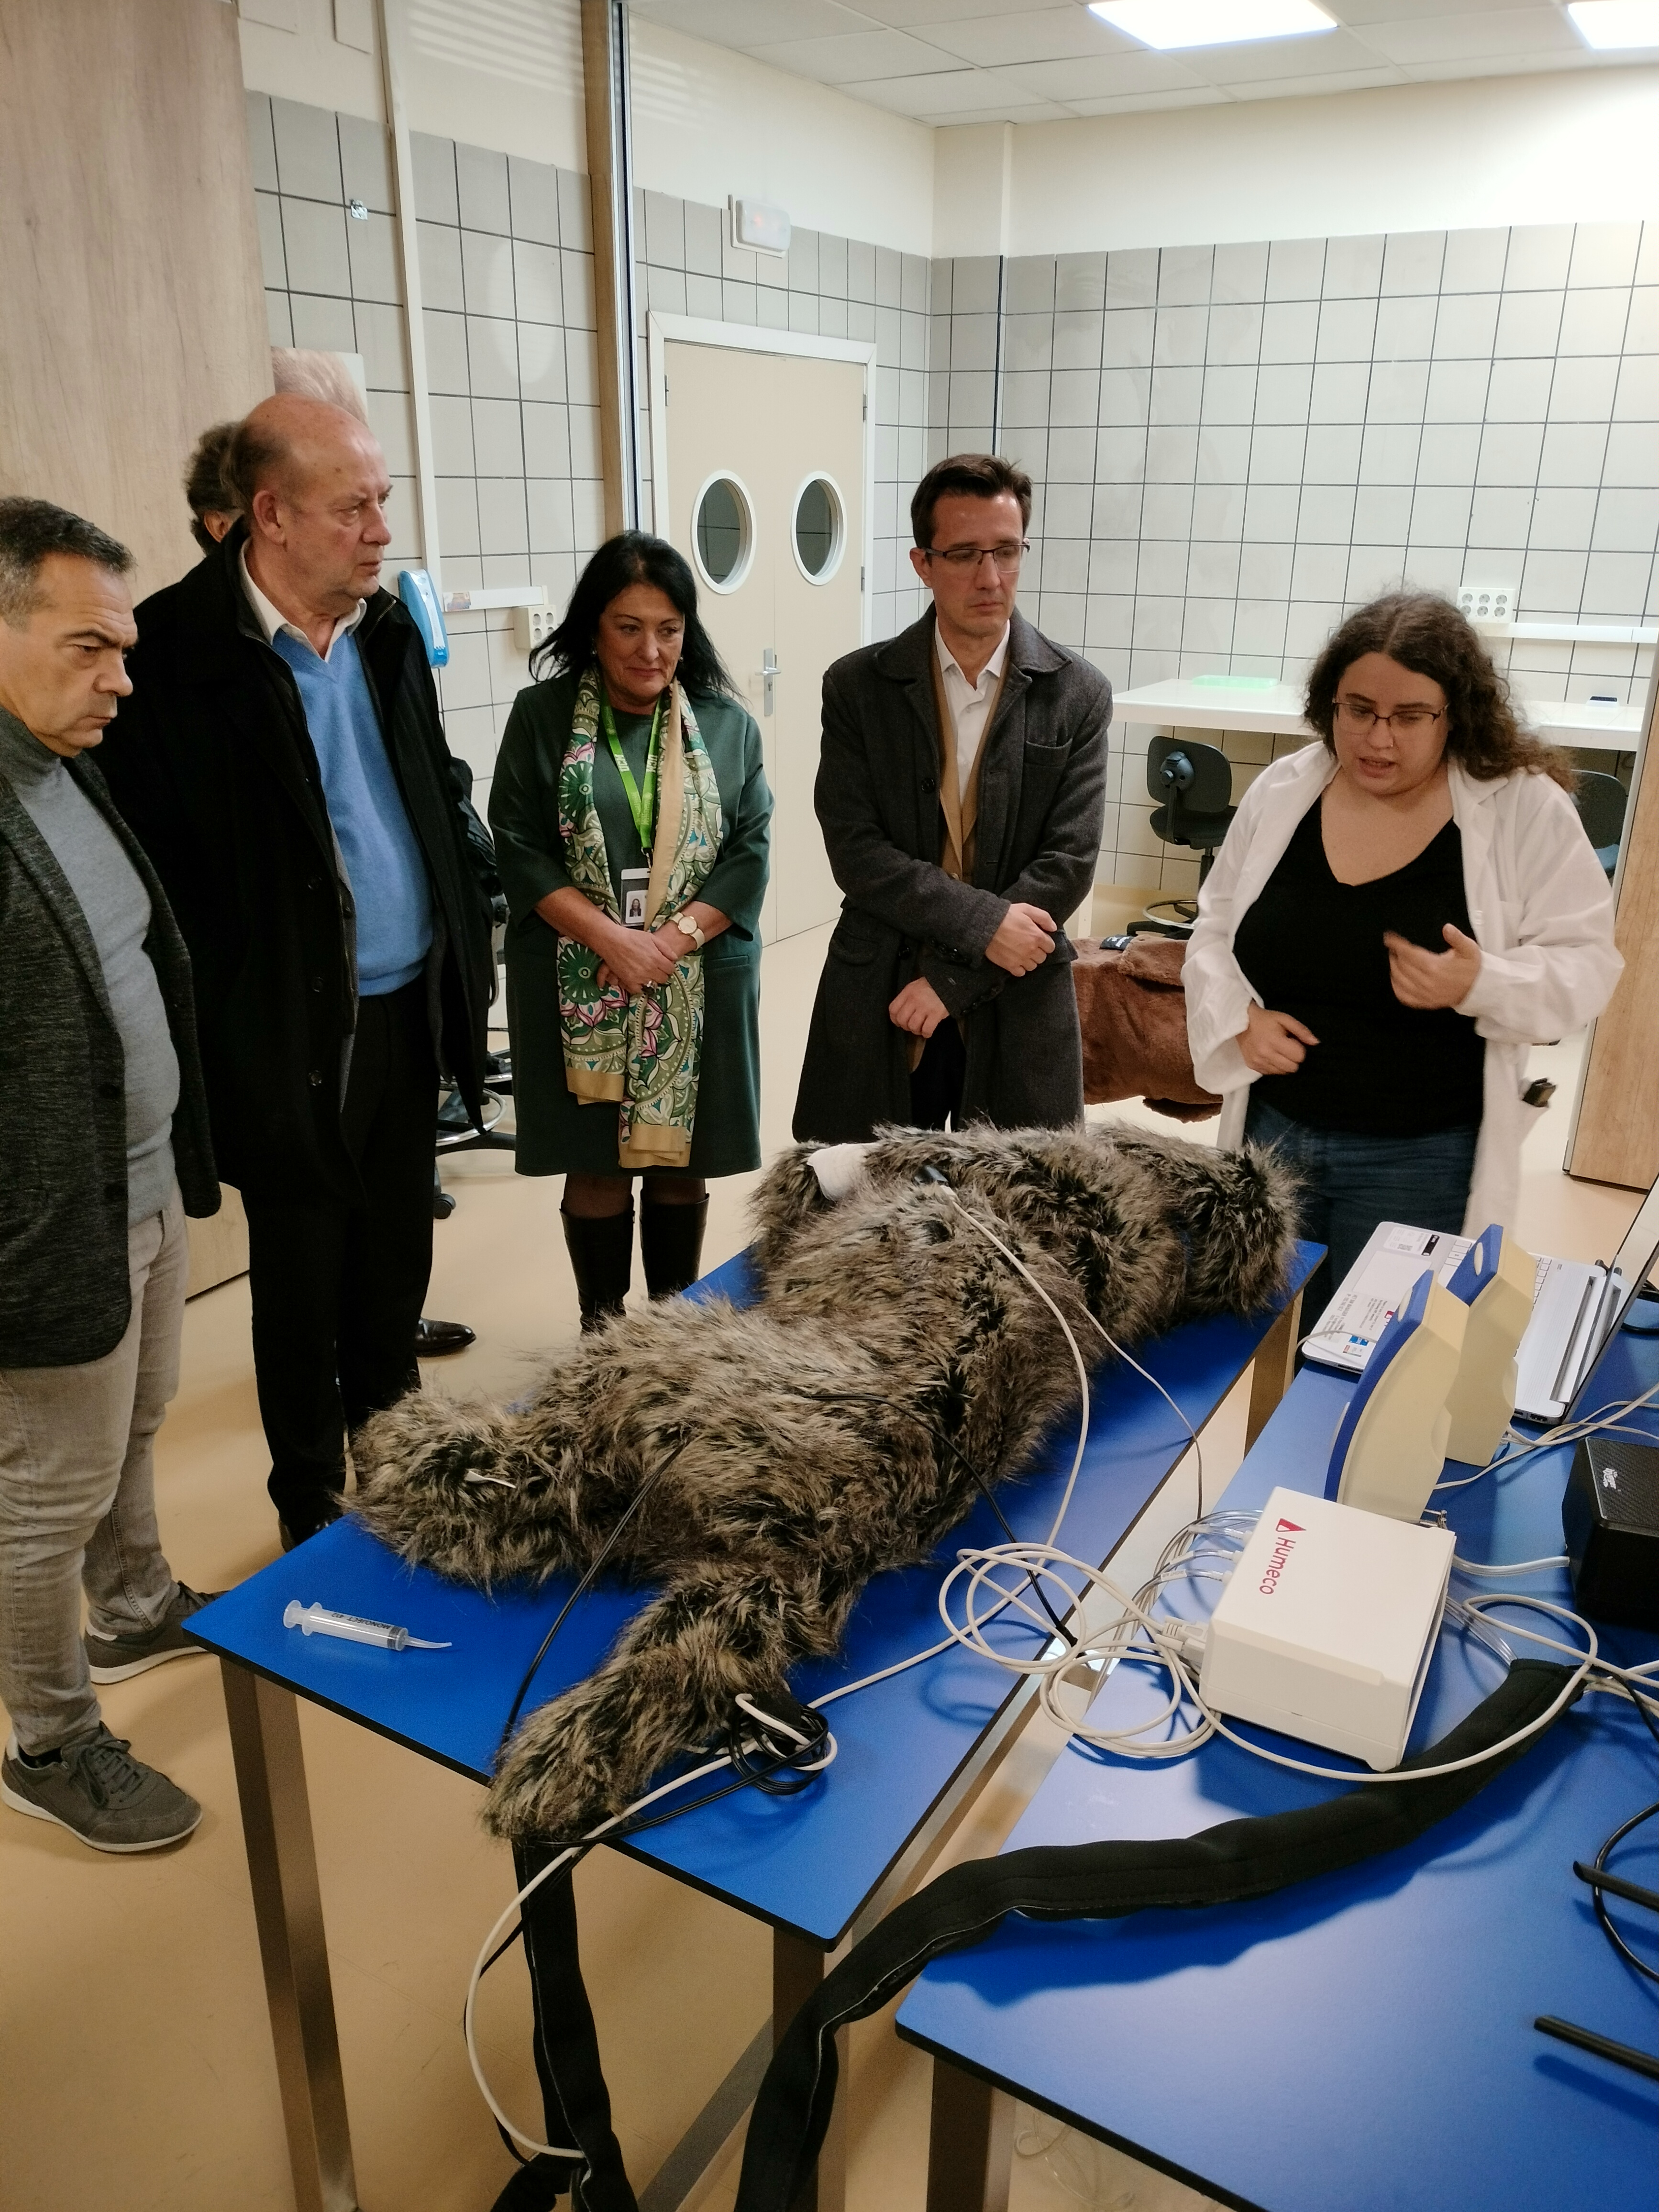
(1236, 1860)
(576, 2102)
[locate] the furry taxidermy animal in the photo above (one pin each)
(797, 1444)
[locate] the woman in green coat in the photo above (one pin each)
(631, 818)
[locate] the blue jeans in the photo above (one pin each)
(1351, 1183)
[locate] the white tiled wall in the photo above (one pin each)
(507, 282)
(1234, 446)
(1231, 445)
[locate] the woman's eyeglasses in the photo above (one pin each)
(962, 558)
(1404, 719)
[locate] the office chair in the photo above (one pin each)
(1195, 782)
(1601, 800)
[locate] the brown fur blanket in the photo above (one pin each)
(1131, 1008)
(774, 1499)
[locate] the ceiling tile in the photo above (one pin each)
(1475, 37)
(1323, 54)
(912, 14)
(949, 93)
(854, 59)
(1359, 15)
(748, 22)
(1304, 88)
(1044, 111)
(1497, 65)
(1038, 34)
(1143, 103)
(1107, 76)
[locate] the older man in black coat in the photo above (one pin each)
(283, 763)
(960, 790)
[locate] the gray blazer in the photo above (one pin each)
(64, 1295)
(1042, 795)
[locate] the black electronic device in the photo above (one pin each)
(1610, 1518)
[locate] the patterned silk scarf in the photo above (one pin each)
(642, 1052)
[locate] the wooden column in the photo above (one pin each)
(611, 182)
(1615, 1134)
(135, 310)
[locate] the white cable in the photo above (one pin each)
(1016, 1263)
(1463, 1566)
(1128, 1358)
(1605, 1420)
(696, 1774)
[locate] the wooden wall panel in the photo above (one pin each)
(134, 309)
(1616, 1137)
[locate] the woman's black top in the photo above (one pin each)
(1312, 947)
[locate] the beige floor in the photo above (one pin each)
(135, 2061)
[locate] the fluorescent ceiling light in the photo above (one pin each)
(1610, 24)
(1168, 24)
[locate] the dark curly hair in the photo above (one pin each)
(205, 486)
(1427, 634)
(632, 557)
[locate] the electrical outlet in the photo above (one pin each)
(1487, 603)
(533, 626)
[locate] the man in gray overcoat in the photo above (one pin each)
(960, 790)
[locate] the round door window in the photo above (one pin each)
(818, 529)
(723, 532)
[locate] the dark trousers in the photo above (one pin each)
(936, 1079)
(337, 1290)
(1351, 1183)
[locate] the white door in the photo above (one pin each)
(763, 465)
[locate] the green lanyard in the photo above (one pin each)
(641, 805)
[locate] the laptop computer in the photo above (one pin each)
(1576, 1306)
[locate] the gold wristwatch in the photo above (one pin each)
(687, 927)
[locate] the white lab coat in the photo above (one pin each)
(1540, 909)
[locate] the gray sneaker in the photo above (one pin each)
(99, 1792)
(115, 1658)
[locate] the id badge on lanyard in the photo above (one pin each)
(635, 882)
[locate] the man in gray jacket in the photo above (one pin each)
(960, 789)
(104, 1149)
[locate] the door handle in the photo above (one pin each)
(766, 672)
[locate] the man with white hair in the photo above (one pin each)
(285, 768)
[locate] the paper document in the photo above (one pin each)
(1378, 1283)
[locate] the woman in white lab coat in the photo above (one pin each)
(1395, 916)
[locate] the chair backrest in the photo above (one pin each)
(1195, 783)
(1601, 800)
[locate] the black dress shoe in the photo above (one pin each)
(322, 1514)
(435, 1340)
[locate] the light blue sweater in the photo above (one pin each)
(383, 860)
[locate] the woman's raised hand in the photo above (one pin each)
(1274, 1044)
(1432, 980)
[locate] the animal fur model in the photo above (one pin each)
(796, 1442)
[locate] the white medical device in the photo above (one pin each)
(1494, 1279)
(1326, 1626)
(352, 1628)
(1391, 1444)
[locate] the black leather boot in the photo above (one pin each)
(602, 1260)
(671, 1245)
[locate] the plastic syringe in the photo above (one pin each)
(352, 1628)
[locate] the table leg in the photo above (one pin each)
(1274, 1369)
(287, 1907)
(970, 2143)
(798, 1967)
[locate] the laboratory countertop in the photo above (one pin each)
(1255, 703)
